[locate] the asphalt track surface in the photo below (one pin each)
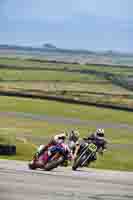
(17, 182)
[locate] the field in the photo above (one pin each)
(43, 64)
(26, 131)
(28, 122)
(96, 84)
(68, 86)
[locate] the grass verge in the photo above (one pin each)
(51, 108)
(116, 158)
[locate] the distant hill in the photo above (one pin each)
(52, 48)
(49, 46)
(45, 47)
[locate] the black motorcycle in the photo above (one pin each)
(85, 155)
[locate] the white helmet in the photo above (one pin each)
(60, 138)
(74, 135)
(100, 132)
(62, 135)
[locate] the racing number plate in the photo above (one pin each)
(92, 147)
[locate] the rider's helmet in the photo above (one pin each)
(62, 136)
(74, 135)
(100, 133)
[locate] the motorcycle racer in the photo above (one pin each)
(97, 138)
(57, 139)
(51, 153)
(73, 139)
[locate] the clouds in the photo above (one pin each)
(91, 24)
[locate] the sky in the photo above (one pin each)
(72, 24)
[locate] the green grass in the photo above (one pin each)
(65, 110)
(115, 158)
(114, 70)
(23, 152)
(12, 127)
(91, 86)
(22, 63)
(112, 159)
(27, 63)
(90, 92)
(40, 75)
(24, 75)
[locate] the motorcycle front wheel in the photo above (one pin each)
(54, 164)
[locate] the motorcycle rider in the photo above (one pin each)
(73, 139)
(97, 138)
(63, 148)
(70, 146)
(57, 143)
(57, 139)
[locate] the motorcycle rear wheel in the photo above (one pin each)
(76, 164)
(32, 166)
